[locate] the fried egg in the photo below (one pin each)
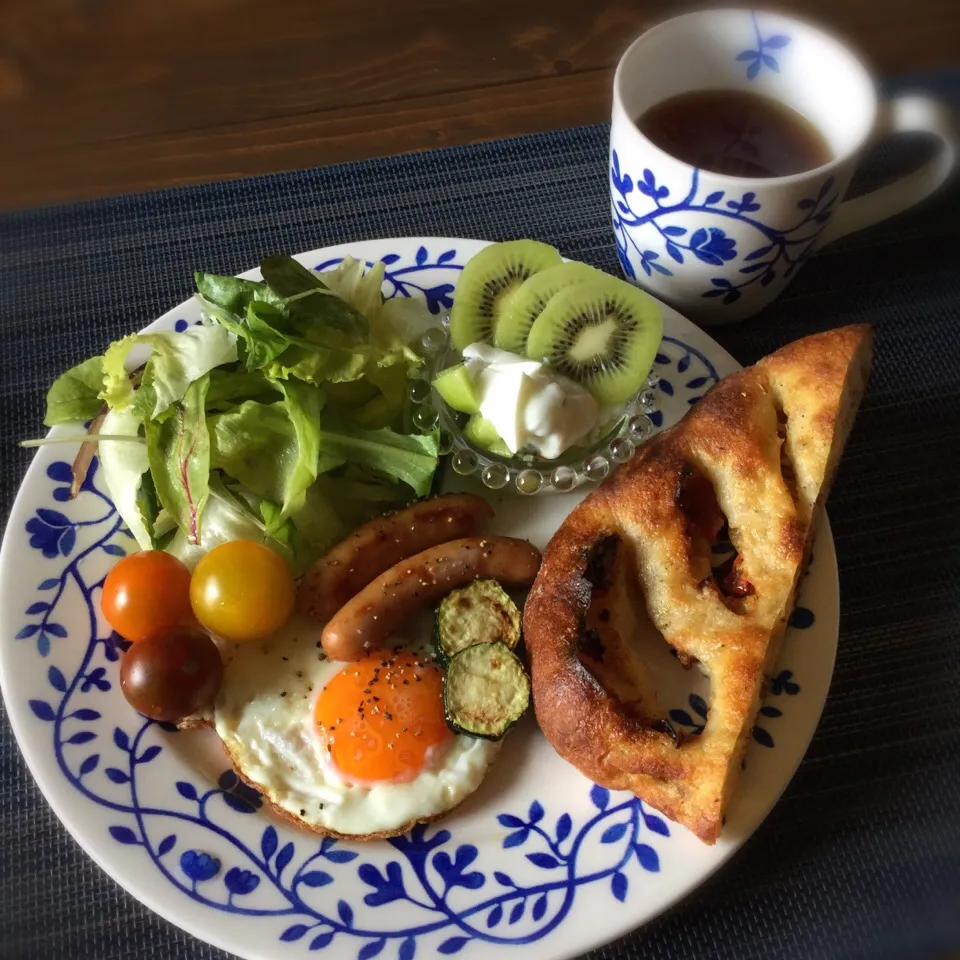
(352, 748)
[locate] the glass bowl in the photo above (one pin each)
(525, 472)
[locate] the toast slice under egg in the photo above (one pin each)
(757, 454)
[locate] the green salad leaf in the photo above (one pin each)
(319, 364)
(304, 403)
(259, 343)
(229, 387)
(359, 286)
(317, 523)
(118, 389)
(263, 340)
(411, 458)
(284, 417)
(255, 444)
(314, 311)
(178, 451)
(75, 395)
(178, 360)
(300, 330)
(226, 517)
(273, 449)
(232, 294)
(395, 324)
(124, 466)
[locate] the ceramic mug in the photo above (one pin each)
(719, 247)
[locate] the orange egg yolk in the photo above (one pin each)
(382, 715)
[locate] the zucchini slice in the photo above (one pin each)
(481, 612)
(485, 690)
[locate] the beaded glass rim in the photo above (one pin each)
(525, 471)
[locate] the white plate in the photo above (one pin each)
(538, 863)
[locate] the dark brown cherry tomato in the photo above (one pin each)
(171, 675)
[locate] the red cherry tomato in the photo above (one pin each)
(242, 591)
(147, 593)
(171, 675)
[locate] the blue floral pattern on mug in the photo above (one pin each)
(760, 56)
(647, 227)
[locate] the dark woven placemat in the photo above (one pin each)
(861, 858)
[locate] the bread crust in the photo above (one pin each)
(631, 537)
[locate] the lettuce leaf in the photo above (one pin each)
(230, 387)
(318, 365)
(75, 395)
(258, 342)
(360, 287)
(124, 466)
(411, 458)
(178, 450)
(304, 404)
(273, 449)
(224, 518)
(117, 390)
(255, 444)
(312, 335)
(176, 361)
(232, 294)
(313, 311)
(317, 524)
(284, 418)
(395, 324)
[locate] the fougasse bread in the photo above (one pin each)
(758, 454)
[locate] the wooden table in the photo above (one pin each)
(99, 97)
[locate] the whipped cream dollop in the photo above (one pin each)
(529, 403)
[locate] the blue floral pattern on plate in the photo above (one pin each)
(455, 892)
(430, 865)
(402, 279)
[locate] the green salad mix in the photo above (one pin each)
(282, 417)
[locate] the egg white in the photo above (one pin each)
(264, 715)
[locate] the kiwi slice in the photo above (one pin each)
(457, 388)
(484, 434)
(603, 333)
(524, 306)
(489, 278)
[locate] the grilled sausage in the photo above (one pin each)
(364, 623)
(376, 546)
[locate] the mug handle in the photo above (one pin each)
(909, 114)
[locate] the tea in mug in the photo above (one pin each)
(734, 132)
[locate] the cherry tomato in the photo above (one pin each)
(242, 591)
(146, 593)
(170, 675)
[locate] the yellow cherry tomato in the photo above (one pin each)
(242, 591)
